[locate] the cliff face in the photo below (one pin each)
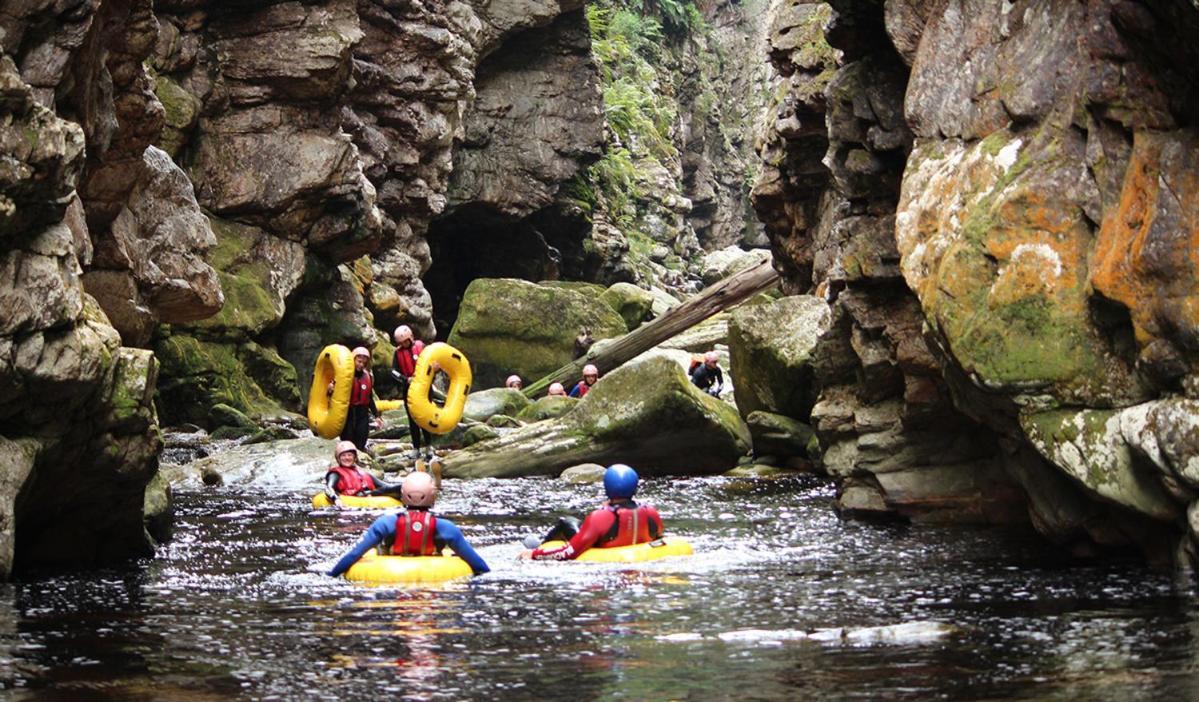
(1002, 229)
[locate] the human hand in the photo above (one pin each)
(378, 422)
(526, 555)
(329, 388)
(435, 366)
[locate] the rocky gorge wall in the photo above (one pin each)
(998, 223)
(200, 195)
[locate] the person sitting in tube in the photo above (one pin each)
(415, 531)
(346, 477)
(618, 522)
(590, 377)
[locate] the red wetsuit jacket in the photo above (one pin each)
(622, 524)
(352, 480)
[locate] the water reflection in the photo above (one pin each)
(237, 606)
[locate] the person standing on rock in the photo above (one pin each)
(618, 522)
(590, 376)
(346, 477)
(362, 402)
(408, 349)
(414, 531)
(707, 376)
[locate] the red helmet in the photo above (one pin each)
(342, 447)
(418, 490)
(403, 333)
(361, 351)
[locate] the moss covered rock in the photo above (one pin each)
(547, 408)
(771, 347)
(198, 374)
(645, 413)
(779, 435)
(1090, 447)
(633, 304)
(509, 326)
(486, 403)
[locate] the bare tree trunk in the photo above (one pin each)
(727, 293)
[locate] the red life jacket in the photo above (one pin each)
(360, 390)
(406, 358)
(634, 524)
(415, 530)
(352, 481)
(582, 387)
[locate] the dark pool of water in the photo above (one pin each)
(236, 606)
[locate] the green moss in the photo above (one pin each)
(199, 374)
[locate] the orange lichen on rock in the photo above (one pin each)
(1147, 253)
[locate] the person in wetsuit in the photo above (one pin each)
(413, 531)
(590, 377)
(619, 522)
(346, 477)
(403, 365)
(707, 376)
(362, 402)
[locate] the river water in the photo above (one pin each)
(236, 606)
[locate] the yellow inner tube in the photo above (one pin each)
(425, 412)
(320, 501)
(327, 413)
(389, 405)
(373, 568)
(652, 551)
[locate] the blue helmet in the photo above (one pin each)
(620, 481)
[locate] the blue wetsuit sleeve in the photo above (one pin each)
(451, 535)
(574, 392)
(384, 528)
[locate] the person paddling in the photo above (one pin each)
(346, 477)
(619, 522)
(414, 531)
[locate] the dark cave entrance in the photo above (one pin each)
(475, 241)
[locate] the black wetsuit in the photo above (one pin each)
(707, 379)
(419, 436)
(358, 419)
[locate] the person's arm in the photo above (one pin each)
(383, 487)
(594, 526)
(574, 392)
(449, 533)
(383, 528)
(697, 376)
(331, 479)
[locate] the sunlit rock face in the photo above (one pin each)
(1011, 180)
(76, 405)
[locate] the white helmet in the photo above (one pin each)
(403, 333)
(418, 490)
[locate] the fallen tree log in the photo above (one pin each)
(725, 294)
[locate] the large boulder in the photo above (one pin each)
(283, 465)
(644, 413)
(1090, 447)
(771, 347)
(721, 264)
(487, 403)
(633, 304)
(779, 436)
(509, 326)
(547, 407)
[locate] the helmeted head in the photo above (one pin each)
(361, 352)
(514, 382)
(711, 359)
(590, 373)
(345, 449)
(403, 334)
(418, 490)
(556, 390)
(620, 481)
